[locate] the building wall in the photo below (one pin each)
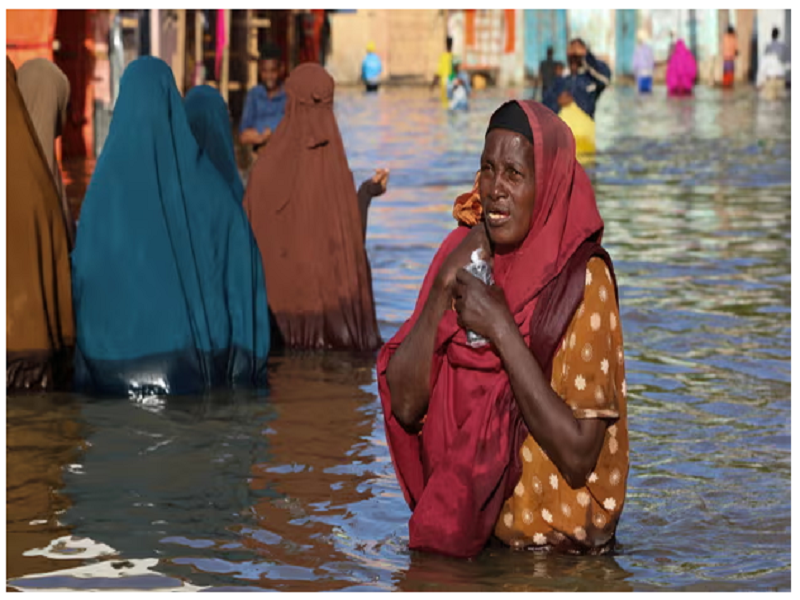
(416, 39)
(543, 29)
(596, 27)
(409, 42)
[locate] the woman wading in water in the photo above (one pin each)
(524, 438)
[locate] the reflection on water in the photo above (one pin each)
(294, 489)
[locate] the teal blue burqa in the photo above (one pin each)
(168, 285)
(211, 125)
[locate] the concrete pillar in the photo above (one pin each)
(745, 23)
(155, 32)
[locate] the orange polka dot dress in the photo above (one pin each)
(589, 375)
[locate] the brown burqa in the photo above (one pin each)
(40, 330)
(45, 90)
(302, 205)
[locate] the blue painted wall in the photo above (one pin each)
(625, 41)
(543, 28)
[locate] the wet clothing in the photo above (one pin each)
(728, 72)
(585, 86)
(371, 69)
(645, 84)
(168, 286)
(211, 126)
(303, 207)
(771, 77)
(643, 65)
(262, 112)
(40, 331)
(468, 459)
(45, 89)
(681, 71)
(589, 374)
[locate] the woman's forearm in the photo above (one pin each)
(409, 371)
(364, 200)
(572, 444)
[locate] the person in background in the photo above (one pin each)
(547, 71)
(265, 103)
(730, 50)
(559, 70)
(643, 64)
(45, 89)
(771, 77)
(776, 47)
(681, 71)
(459, 88)
(371, 69)
(444, 70)
(574, 98)
(211, 125)
(40, 328)
(167, 279)
(588, 77)
(310, 223)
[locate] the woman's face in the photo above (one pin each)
(507, 187)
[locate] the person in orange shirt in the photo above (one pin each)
(730, 50)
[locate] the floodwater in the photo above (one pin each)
(294, 489)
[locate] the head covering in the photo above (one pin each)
(681, 70)
(168, 286)
(211, 126)
(40, 332)
(370, 46)
(45, 89)
(303, 207)
(468, 453)
(511, 117)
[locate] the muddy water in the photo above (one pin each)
(294, 489)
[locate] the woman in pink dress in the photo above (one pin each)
(681, 71)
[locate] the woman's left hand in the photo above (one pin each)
(481, 308)
(376, 185)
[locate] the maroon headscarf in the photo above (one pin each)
(456, 475)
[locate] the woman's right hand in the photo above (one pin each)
(462, 256)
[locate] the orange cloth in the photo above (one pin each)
(727, 79)
(589, 374)
(467, 209)
(511, 31)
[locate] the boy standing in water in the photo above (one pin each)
(371, 69)
(266, 103)
(730, 50)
